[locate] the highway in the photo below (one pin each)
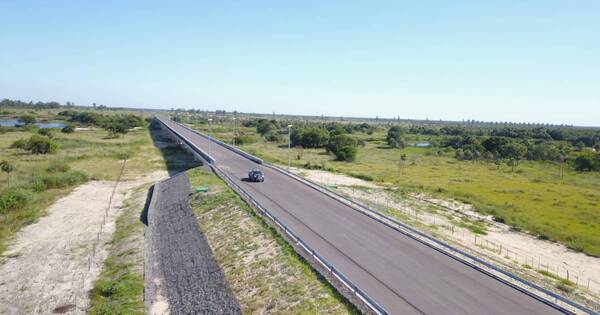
(400, 273)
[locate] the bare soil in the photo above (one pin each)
(52, 263)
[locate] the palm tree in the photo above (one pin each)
(7, 168)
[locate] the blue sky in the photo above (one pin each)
(532, 61)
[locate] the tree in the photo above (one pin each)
(343, 147)
(395, 137)
(265, 126)
(513, 151)
(587, 161)
(27, 119)
(7, 168)
(314, 138)
(309, 138)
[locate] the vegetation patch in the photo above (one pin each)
(120, 287)
(263, 271)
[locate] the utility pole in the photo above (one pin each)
(209, 135)
(234, 119)
(289, 146)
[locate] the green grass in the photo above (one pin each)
(89, 154)
(263, 271)
(120, 287)
(533, 198)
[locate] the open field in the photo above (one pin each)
(533, 198)
(265, 273)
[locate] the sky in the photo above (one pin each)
(520, 61)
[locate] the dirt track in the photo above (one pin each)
(53, 262)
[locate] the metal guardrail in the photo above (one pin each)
(226, 145)
(192, 146)
(370, 302)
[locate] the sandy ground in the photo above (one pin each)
(501, 244)
(52, 264)
(328, 178)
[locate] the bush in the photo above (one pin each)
(272, 137)
(36, 144)
(14, 199)
(27, 119)
(58, 180)
(41, 145)
(46, 132)
(67, 129)
(121, 124)
(19, 144)
(244, 139)
(58, 167)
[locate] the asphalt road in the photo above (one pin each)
(403, 275)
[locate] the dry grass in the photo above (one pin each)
(265, 274)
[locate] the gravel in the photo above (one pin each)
(181, 274)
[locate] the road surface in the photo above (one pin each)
(400, 273)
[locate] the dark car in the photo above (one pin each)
(256, 176)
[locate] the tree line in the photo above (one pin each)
(335, 138)
(115, 124)
(581, 147)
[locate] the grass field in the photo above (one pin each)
(533, 198)
(263, 271)
(83, 155)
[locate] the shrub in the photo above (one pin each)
(67, 129)
(36, 144)
(41, 145)
(27, 119)
(121, 124)
(14, 199)
(58, 167)
(46, 132)
(362, 176)
(244, 139)
(19, 144)
(272, 137)
(58, 180)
